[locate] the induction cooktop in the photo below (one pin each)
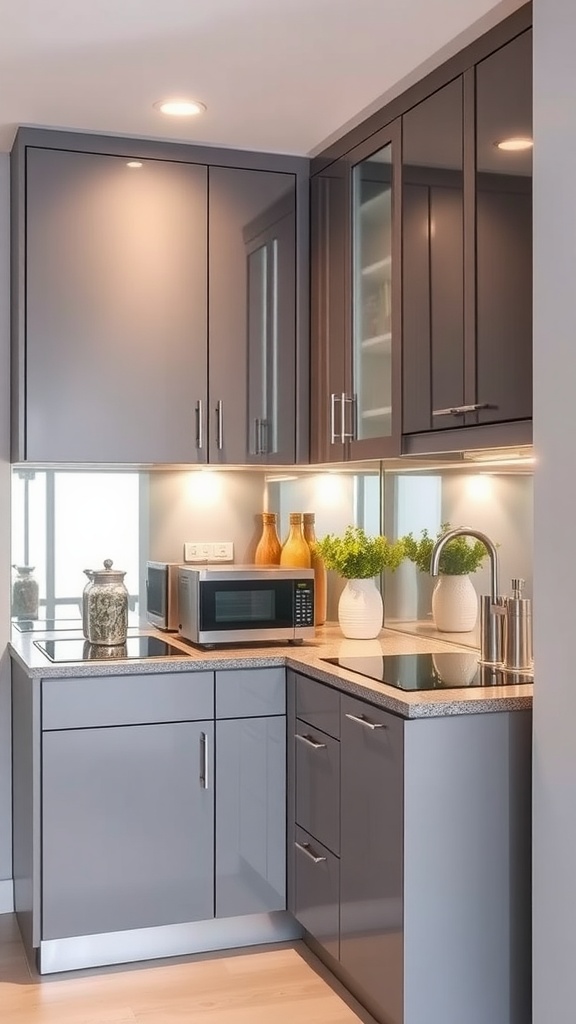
(448, 670)
(135, 647)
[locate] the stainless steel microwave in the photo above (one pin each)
(242, 603)
(162, 595)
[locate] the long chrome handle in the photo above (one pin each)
(199, 425)
(263, 437)
(310, 743)
(343, 399)
(305, 848)
(333, 400)
(204, 760)
(352, 434)
(460, 410)
(219, 426)
(258, 443)
(364, 721)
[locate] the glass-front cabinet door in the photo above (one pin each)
(370, 408)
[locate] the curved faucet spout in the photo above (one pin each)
(467, 531)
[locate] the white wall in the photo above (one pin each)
(204, 506)
(5, 753)
(555, 511)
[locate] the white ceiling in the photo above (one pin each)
(276, 75)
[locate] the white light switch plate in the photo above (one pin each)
(208, 551)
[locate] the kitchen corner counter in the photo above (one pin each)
(306, 659)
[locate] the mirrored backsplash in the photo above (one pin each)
(65, 521)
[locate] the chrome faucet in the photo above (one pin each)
(491, 607)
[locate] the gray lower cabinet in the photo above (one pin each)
(250, 816)
(251, 791)
(149, 814)
(421, 902)
(127, 827)
(371, 855)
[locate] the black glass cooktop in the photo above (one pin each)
(448, 670)
(82, 650)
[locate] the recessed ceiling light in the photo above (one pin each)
(180, 108)
(134, 163)
(515, 144)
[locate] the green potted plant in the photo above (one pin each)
(454, 600)
(358, 558)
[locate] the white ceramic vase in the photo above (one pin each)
(454, 604)
(360, 610)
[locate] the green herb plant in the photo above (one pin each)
(458, 557)
(355, 556)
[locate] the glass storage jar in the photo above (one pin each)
(25, 593)
(106, 606)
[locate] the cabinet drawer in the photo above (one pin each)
(318, 785)
(316, 891)
(83, 702)
(251, 692)
(318, 705)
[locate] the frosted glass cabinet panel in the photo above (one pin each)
(372, 298)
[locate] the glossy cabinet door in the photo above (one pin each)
(371, 856)
(116, 312)
(329, 307)
(433, 351)
(467, 249)
(252, 316)
(127, 827)
(250, 815)
(370, 410)
(504, 234)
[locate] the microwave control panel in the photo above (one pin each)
(304, 603)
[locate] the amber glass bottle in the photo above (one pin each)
(319, 570)
(295, 550)
(269, 547)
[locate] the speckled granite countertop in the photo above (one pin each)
(307, 659)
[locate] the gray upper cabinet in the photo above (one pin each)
(355, 302)
(252, 316)
(115, 310)
(467, 249)
(159, 303)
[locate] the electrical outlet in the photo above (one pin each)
(196, 551)
(223, 551)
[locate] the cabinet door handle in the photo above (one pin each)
(204, 760)
(352, 434)
(460, 410)
(305, 848)
(199, 425)
(364, 721)
(219, 426)
(333, 400)
(310, 743)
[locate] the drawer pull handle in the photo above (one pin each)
(310, 743)
(305, 848)
(364, 721)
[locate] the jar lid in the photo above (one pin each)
(107, 574)
(24, 570)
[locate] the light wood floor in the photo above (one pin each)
(271, 985)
